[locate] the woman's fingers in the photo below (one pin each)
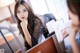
(24, 48)
(18, 51)
(73, 31)
(64, 33)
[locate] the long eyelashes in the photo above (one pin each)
(24, 10)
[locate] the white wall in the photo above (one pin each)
(57, 7)
(39, 6)
(4, 12)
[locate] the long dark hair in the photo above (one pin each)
(72, 7)
(31, 17)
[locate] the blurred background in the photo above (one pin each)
(45, 9)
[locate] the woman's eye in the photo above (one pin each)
(18, 11)
(24, 10)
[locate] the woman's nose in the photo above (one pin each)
(22, 14)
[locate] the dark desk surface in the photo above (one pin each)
(48, 46)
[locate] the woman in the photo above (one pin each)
(75, 17)
(30, 26)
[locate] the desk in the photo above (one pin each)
(48, 46)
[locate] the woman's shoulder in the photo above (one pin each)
(37, 20)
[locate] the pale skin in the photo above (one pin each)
(26, 32)
(73, 29)
(72, 40)
(64, 33)
(22, 14)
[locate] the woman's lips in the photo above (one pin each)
(23, 17)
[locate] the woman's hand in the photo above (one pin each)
(25, 22)
(64, 33)
(73, 31)
(27, 35)
(19, 51)
(72, 36)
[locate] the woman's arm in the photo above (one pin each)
(26, 32)
(73, 29)
(20, 51)
(73, 43)
(37, 28)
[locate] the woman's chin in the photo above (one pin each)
(22, 19)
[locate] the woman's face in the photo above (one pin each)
(22, 12)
